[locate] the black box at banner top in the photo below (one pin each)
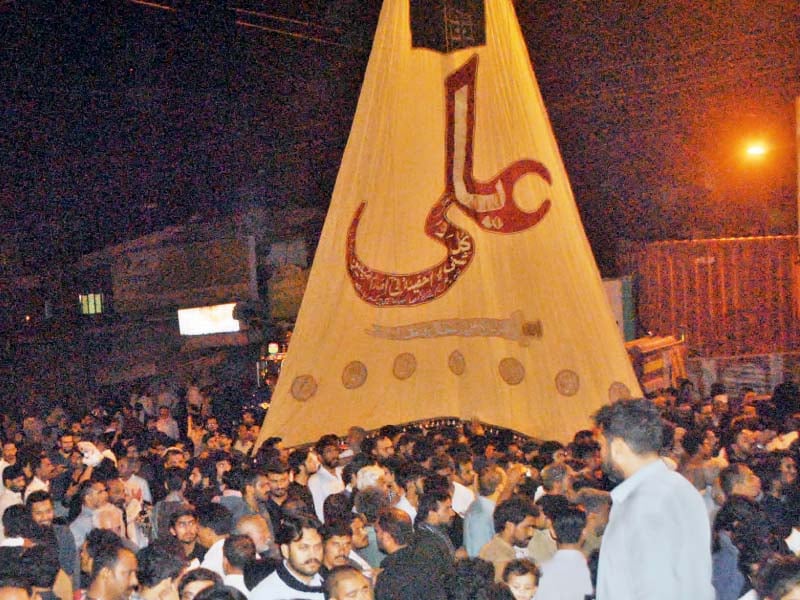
(447, 25)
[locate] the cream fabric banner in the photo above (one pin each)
(453, 276)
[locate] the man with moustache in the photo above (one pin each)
(359, 540)
(337, 542)
(43, 471)
(328, 479)
(657, 541)
(256, 496)
(298, 575)
(514, 521)
(42, 511)
(430, 532)
(277, 474)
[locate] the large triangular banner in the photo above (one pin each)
(453, 276)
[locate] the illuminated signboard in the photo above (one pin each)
(207, 319)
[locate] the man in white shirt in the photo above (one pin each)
(657, 543)
(237, 551)
(410, 478)
(166, 424)
(328, 479)
(137, 487)
(462, 495)
(215, 524)
(9, 458)
(298, 576)
(14, 483)
(43, 472)
(462, 498)
(566, 576)
(355, 436)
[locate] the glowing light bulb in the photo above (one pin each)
(756, 149)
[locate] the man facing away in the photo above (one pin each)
(215, 524)
(657, 542)
(237, 551)
(566, 576)
(39, 565)
(160, 566)
(405, 573)
(479, 519)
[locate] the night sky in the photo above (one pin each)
(120, 117)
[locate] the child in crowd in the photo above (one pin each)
(522, 578)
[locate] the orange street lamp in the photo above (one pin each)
(756, 150)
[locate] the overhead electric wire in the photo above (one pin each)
(285, 19)
(276, 30)
(153, 5)
(675, 86)
(296, 35)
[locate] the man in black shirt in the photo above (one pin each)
(406, 572)
(183, 527)
(278, 480)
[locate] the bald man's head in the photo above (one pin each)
(256, 528)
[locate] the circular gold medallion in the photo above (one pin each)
(354, 375)
(512, 371)
(303, 387)
(404, 365)
(567, 382)
(456, 362)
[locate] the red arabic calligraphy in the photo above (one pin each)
(490, 204)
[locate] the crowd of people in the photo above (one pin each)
(677, 496)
